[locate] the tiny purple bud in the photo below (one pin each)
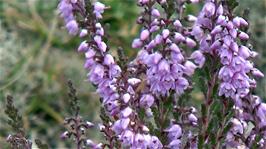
(221, 20)
(209, 9)
(154, 28)
(144, 34)
(189, 68)
(244, 52)
(220, 10)
(126, 97)
(146, 100)
(165, 33)
(163, 66)
(243, 36)
(175, 48)
(83, 33)
(177, 24)
(192, 118)
(217, 29)
(158, 39)
(83, 47)
(137, 43)
(234, 46)
(126, 112)
(102, 46)
(64, 135)
(217, 44)
(198, 57)
(108, 59)
(257, 73)
(145, 128)
(236, 21)
(72, 27)
(155, 13)
(243, 22)
(179, 37)
(89, 54)
(133, 81)
(99, 7)
(190, 43)
(191, 18)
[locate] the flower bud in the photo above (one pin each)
(83, 47)
(165, 33)
(243, 36)
(155, 13)
(190, 43)
(83, 33)
(137, 43)
(144, 34)
(108, 59)
(177, 24)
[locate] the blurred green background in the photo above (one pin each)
(37, 57)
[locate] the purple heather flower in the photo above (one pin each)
(155, 13)
(83, 47)
(137, 43)
(174, 132)
(190, 43)
(178, 37)
(177, 24)
(189, 68)
(261, 112)
(72, 27)
(126, 112)
(175, 144)
(83, 33)
(198, 58)
(127, 137)
(155, 143)
(165, 33)
(120, 125)
(146, 100)
(209, 9)
(126, 97)
(144, 34)
(243, 36)
(96, 74)
(175, 48)
(108, 59)
(98, 9)
(192, 119)
(133, 81)
(257, 73)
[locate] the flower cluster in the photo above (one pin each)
(221, 40)
(161, 70)
(220, 36)
(115, 89)
(67, 9)
(166, 64)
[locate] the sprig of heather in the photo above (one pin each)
(115, 88)
(76, 125)
(162, 60)
(220, 37)
(17, 140)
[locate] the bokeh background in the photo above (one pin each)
(38, 57)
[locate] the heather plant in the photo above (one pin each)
(146, 100)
